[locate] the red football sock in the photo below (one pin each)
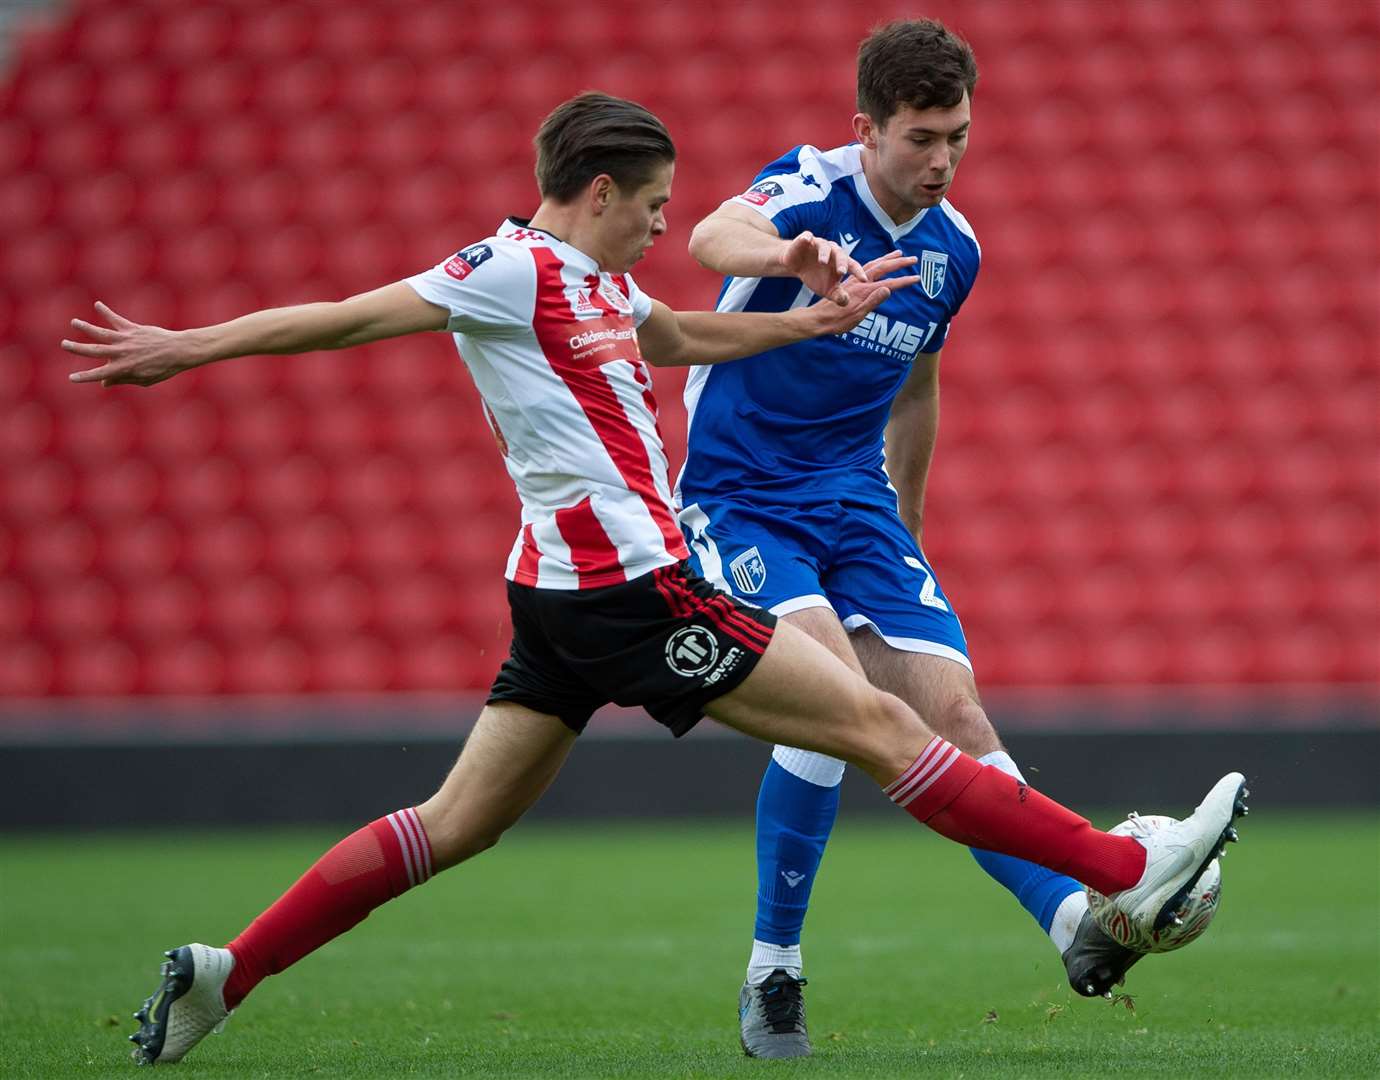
(368, 868)
(983, 807)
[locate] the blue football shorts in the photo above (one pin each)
(861, 561)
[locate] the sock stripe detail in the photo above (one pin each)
(423, 841)
(404, 843)
(952, 756)
(412, 829)
(928, 767)
(933, 747)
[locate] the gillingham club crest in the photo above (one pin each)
(933, 268)
(749, 571)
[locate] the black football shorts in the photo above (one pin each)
(667, 641)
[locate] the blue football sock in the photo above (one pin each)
(1039, 890)
(794, 819)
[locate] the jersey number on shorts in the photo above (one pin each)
(928, 597)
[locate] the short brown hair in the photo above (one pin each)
(597, 133)
(915, 62)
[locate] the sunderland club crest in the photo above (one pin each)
(749, 571)
(933, 268)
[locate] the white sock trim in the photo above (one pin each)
(767, 957)
(816, 768)
(1066, 919)
(1002, 760)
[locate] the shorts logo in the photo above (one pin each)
(691, 651)
(749, 571)
(934, 266)
(762, 193)
(462, 264)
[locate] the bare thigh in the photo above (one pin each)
(510, 758)
(941, 690)
(823, 625)
(801, 694)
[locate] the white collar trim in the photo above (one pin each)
(883, 218)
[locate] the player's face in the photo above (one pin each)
(917, 151)
(634, 219)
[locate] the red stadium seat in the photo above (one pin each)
(38, 490)
(246, 607)
(100, 667)
(277, 665)
(371, 487)
(312, 545)
(186, 666)
(139, 548)
(444, 662)
(27, 669)
(197, 34)
(37, 259)
(165, 609)
(186, 432)
(80, 608)
(270, 431)
(121, 488)
(225, 550)
(113, 38)
(287, 488)
(27, 433)
(417, 606)
(357, 664)
(282, 32)
(58, 548)
(27, 200)
(398, 546)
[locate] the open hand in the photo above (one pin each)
(861, 297)
(130, 352)
(821, 265)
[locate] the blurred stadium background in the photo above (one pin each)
(1155, 500)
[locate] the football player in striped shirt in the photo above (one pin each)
(558, 338)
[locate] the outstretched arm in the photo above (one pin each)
(739, 242)
(676, 338)
(141, 355)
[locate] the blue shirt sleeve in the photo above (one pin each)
(794, 201)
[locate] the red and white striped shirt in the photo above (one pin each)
(551, 342)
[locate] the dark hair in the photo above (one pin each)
(915, 62)
(597, 133)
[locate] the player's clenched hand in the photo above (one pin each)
(129, 352)
(861, 297)
(821, 265)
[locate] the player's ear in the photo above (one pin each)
(866, 130)
(602, 190)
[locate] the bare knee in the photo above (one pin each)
(964, 723)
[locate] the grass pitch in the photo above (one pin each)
(618, 952)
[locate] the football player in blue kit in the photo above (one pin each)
(803, 490)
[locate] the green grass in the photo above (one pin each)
(618, 952)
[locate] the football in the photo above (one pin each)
(1195, 915)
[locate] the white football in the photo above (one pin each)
(1196, 913)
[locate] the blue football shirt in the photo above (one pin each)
(804, 423)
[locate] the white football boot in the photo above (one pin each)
(186, 1007)
(1176, 857)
